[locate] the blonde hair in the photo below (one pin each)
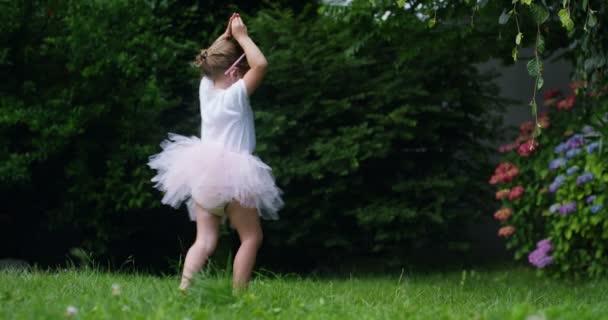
(216, 59)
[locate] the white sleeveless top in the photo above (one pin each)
(226, 115)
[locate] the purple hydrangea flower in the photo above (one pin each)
(562, 147)
(553, 187)
(545, 245)
(592, 147)
(575, 141)
(557, 163)
(567, 208)
(540, 257)
(544, 261)
(597, 208)
(559, 180)
(590, 199)
(554, 207)
(572, 170)
(584, 178)
(587, 129)
(573, 153)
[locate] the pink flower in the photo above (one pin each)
(508, 147)
(527, 148)
(527, 126)
(513, 172)
(544, 122)
(577, 84)
(506, 231)
(567, 103)
(502, 194)
(516, 193)
(504, 167)
(552, 93)
(504, 172)
(503, 214)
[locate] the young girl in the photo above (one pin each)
(217, 175)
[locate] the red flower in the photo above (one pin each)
(523, 137)
(552, 93)
(527, 126)
(508, 147)
(527, 148)
(516, 193)
(504, 167)
(506, 177)
(504, 172)
(506, 231)
(502, 194)
(577, 84)
(503, 214)
(544, 122)
(513, 172)
(567, 103)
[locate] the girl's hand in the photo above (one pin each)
(239, 30)
(228, 33)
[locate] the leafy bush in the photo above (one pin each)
(85, 107)
(558, 222)
(553, 196)
(373, 128)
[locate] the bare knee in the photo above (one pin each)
(254, 239)
(205, 247)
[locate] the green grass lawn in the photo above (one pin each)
(503, 294)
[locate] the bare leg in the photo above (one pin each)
(247, 224)
(207, 232)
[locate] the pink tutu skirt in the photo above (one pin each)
(191, 170)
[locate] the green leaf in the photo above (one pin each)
(592, 21)
(540, 43)
(540, 13)
(589, 64)
(566, 20)
(534, 107)
(539, 83)
(514, 54)
(534, 67)
(585, 4)
(504, 17)
(528, 2)
(401, 3)
(431, 22)
(518, 38)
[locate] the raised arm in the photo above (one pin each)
(255, 58)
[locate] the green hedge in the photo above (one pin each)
(375, 128)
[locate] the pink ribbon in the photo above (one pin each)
(234, 64)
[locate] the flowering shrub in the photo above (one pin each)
(552, 188)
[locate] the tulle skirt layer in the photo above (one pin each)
(191, 170)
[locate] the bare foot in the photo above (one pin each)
(183, 286)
